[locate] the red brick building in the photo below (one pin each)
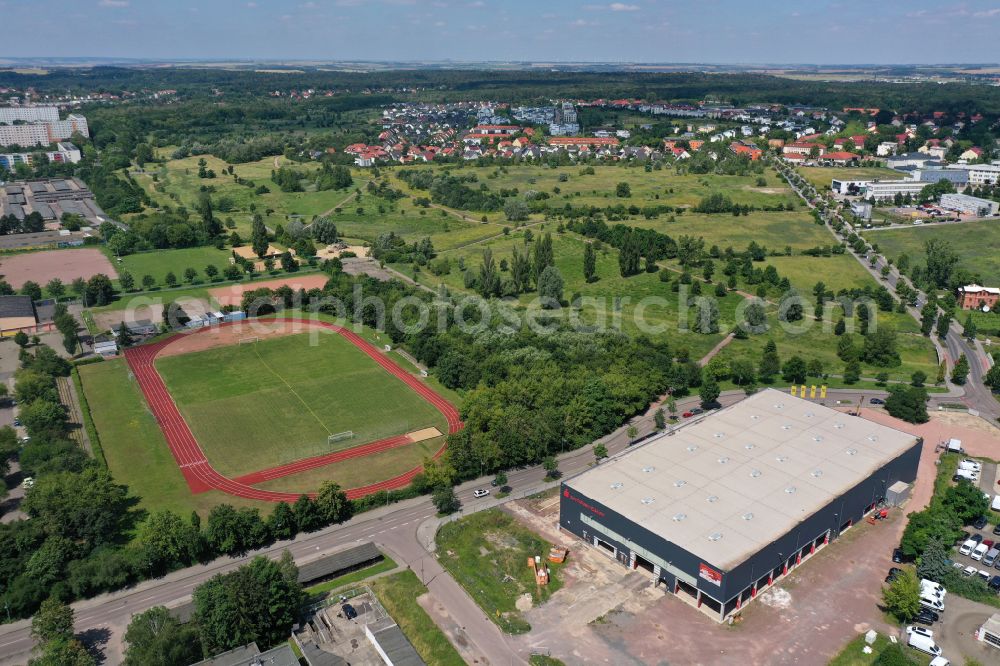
(974, 297)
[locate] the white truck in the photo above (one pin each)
(954, 446)
(922, 639)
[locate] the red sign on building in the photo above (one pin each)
(710, 574)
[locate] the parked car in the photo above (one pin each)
(17, 422)
(969, 571)
(697, 410)
(978, 538)
(926, 616)
(480, 492)
(687, 415)
(897, 555)
(893, 574)
(980, 523)
(971, 464)
(995, 583)
(922, 639)
(967, 547)
(985, 575)
(989, 542)
(979, 552)
(877, 401)
(996, 530)
(349, 611)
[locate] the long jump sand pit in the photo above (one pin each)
(67, 265)
(233, 294)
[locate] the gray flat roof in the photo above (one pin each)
(394, 643)
(726, 486)
(335, 563)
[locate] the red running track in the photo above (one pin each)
(200, 474)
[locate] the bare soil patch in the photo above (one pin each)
(223, 336)
(67, 265)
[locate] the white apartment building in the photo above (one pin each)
(43, 133)
(28, 114)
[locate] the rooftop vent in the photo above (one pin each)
(787, 426)
(723, 460)
(692, 448)
(616, 485)
(838, 425)
(680, 483)
(648, 468)
(809, 415)
(755, 473)
(678, 517)
(816, 473)
(817, 438)
(790, 489)
(851, 452)
(779, 405)
(720, 435)
(713, 498)
(754, 417)
(872, 438)
(749, 446)
(748, 516)
(781, 458)
(647, 500)
(715, 536)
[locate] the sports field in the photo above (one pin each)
(258, 405)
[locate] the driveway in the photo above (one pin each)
(956, 632)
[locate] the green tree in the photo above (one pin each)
(86, 506)
(794, 370)
(880, 348)
(126, 281)
(933, 562)
(924, 526)
(600, 452)
(189, 275)
(445, 500)
(32, 290)
(659, 420)
(167, 540)
(21, 339)
(551, 467)
(489, 279)
(156, 638)
(623, 190)
(770, 363)
(258, 236)
(941, 262)
(852, 372)
(56, 288)
(908, 403)
(918, 378)
(282, 523)
(53, 621)
(333, 503)
(211, 271)
(516, 210)
(631, 432)
(992, 378)
(589, 262)
(259, 602)
(170, 279)
(966, 501)
(902, 596)
(960, 372)
(550, 287)
(148, 282)
(708, 392)
(943, 324)
(706, 317)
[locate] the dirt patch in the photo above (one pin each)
(223, 336)
(501, 541)
(979, 437)
(233, 294)
(524, 603)
(67, 265)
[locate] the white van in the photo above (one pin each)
(995, 505)
(934, 603)
(967, 474)
(939, 661)
(955, 446)
(990, 558)
(922, 640)
(979, 551)
(970, 465)
(930, 586)
(967, 547)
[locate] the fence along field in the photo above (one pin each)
(267, 402)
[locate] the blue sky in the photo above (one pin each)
(719, 31)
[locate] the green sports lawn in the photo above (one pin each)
(254, 406)
(160, 262)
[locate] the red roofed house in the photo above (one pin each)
(840, 157)
(695, 144)
(582, 141)
(753, 152)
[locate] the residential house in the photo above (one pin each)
(977, 297)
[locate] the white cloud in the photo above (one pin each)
(113, 3)
(251, 5)
(988, 13)
(622, 7)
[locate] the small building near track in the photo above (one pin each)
(719, 509)
(17, 313)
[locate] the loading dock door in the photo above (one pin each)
(642, 563)
(606, 546)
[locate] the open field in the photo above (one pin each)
(969, 239)
(773, 230)
(398, 594)
(820, 177)
(487, 554)
(67, 265)
(158, 263)
(259, 405)
(134, 447)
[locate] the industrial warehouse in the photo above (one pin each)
(720, 509)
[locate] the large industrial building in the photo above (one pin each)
(719, 509)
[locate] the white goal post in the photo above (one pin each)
(340, 436)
